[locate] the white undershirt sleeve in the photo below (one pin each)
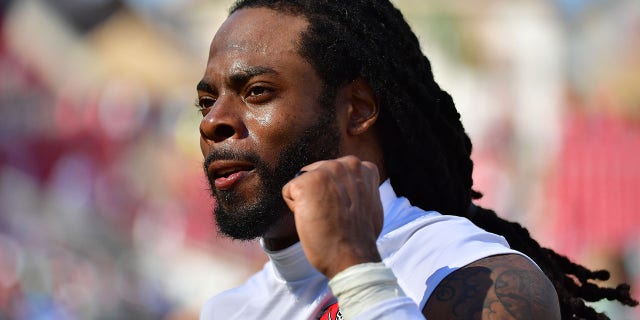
(371, 291)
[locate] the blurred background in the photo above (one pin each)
(104, 210)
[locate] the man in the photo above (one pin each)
(325, 134)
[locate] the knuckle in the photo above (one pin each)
(352, 161)
(370, 168)
(323, 175)
(351, 158)
(351, 165)
(291, 188)
(334, 167)
(370, 165)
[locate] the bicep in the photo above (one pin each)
(497, 287)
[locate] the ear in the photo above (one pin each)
(363, 108)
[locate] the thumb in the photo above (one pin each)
(290, 193)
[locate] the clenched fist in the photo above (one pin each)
(337, 212)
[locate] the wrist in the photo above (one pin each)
(349, 260)
(362, 286)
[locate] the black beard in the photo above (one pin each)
(246, 221)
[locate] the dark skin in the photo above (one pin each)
(258, 93)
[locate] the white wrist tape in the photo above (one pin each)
(362, 286)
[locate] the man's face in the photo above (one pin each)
(262, 120)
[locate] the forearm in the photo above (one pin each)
(371, 291)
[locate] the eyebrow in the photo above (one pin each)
(204, 86)
(243, 74)
(239, 77)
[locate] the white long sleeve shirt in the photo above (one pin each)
(421, 248)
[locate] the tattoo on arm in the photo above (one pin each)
(498, 287)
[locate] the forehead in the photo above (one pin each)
(258, 32)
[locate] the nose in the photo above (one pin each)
(222, 122)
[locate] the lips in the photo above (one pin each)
(226, 174)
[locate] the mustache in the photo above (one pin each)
(227, 154)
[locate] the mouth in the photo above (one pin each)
(226, 174)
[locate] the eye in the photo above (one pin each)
(256, 91)
(204, 103)
(258, 94)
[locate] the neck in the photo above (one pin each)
(277, 244)
(282, 235)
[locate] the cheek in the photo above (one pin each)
(272, 133)
(263, 120)
(204, 147)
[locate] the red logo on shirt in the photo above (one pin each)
(332, 313)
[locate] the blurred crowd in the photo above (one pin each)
(104, 209)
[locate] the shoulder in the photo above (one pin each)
(436, 245)
(508, 286)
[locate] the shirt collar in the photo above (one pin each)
(291, 264)
(387, 195)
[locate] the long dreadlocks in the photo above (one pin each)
(420, 128)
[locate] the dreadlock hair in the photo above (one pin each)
(420, 129)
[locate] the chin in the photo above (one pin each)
(239, 220)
